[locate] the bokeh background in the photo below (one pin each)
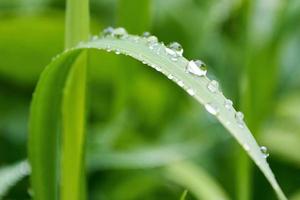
(147, 139)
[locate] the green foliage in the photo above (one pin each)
(138, 123)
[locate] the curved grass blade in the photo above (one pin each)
(73, 137)
(158, 57)
(44, 127)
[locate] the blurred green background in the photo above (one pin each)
(147, 139)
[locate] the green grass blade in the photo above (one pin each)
(197, 86)
(73, 141)
(44, 127)
(77, 22)
(73, 107)
(196, 180)
(183, 196)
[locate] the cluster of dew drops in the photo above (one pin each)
(196, 68)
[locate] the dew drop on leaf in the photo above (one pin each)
(191, 91)
(180, 83)
(117, 51)
(196, 68)
(264, 151)
(170, 76)
(108, 31)
(239, 117)
(213, 86)
(146, 34)
(119, 32)
(212, 108)
(175, 46)
(228, 104)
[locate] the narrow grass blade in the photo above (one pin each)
(195, 180)
(183, 196)
(11, 175)
(73, 124)
(44, 127)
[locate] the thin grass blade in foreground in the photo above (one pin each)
(189, 75)
(11, 175)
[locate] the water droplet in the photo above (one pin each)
(94, 37)
(108, 31)
(117, 51)
(174, 50)
(152, 39)
(196, 68)
(146, 34)
(170, 76)
(246, 147)
(213, 86)
(119, 32)
(158, 69)
(264, 151)
(212, 108)
(191, 91)
(180, 83)
(175, 46)
(239, 116)
(228, 104)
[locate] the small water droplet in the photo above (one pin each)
(94, 37)
(170, 76)
(196, 68)
(158, 69)
(228, 104)
(117, 51)
(212, 108)
(239, 116)
(146, 34)
(246, 147)
(108, 31)
(191, 91)
(180, 83)
(264, 151)
(120, 32)
(213, 86)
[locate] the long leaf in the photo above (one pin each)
(159, 59)
(44, 127)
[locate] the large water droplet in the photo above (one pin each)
(119, 32)
(174, 50)
(213, 86)
(228, 104)
(264, 151)
(239, 117)
(196, 68)
(212, 108)
(108, 31)
(175, 46)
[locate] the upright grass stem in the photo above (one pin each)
(73, 107)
